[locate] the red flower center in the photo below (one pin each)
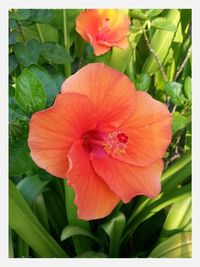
(102, 33)
(114, 142)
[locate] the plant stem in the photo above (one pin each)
(155, 55)
(66, 42)
(40, 32)
(183, 63)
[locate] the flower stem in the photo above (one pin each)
(40, 32)
(66, 42)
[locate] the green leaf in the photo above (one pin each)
(49, 33)
(19, 14)
(178, 122)
(31, 187)
(163, 23)
(180, 210)
(174, 90)
(188, 88)
(30, 94)
(81, 244)
(138, 14)
(13, 63)
(28, 54)
(41, 15)
(19, 159)
(74, 230)
(48, 82)
(114, 228)
(177, 246)
(55, 53)
(151, 13)
(161, 43)
(23, 221)
(12, 38)
(143, 82)
(120, 58)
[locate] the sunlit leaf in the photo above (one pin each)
(177, 246)
(163, 23)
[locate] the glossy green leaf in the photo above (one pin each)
(28, 54)
(19, 14)
(12, 38)
(151, 13)
(41, 15)
(161, 43)
(74, 230)
(163, 23)
(23, 221)
(30, 94)
(188, 88)
(19, 158)
(177, 246)
(174, 90)
(30, 187)
(48, 82)
(55, 53)
(178, 122)
(114, 228)
(13, 63)
(143, 82)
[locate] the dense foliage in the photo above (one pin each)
(44, 49)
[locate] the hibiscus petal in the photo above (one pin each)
(126, 180)
(87, 24)
(53, 130)
(149, 131)
(93, 197)
(111, 92)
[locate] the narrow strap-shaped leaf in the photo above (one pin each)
(177, 246)
(23, 221)
(30, 187)
(81, 244)
(114, 229)
(73, 230)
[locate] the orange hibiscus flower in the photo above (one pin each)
(106, 138)
(103, 29)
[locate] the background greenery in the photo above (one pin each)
(44, 49)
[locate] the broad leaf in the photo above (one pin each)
(178, 122)
(28, 54)
(19, 158)
(143, 82)
(30, 94)
(174, 90)
(48, 82)
(55, 53)
(19, 14)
